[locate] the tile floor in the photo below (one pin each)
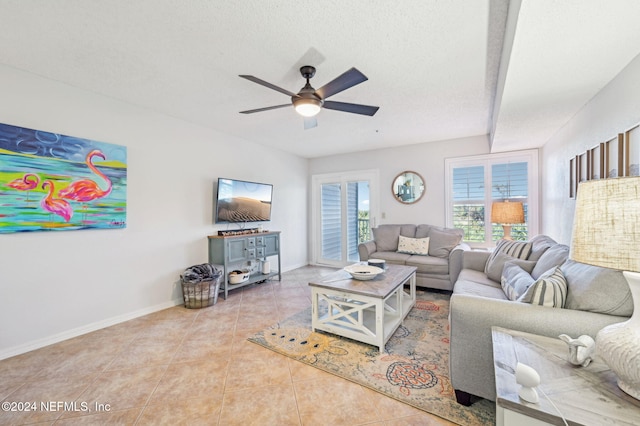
(193, 366)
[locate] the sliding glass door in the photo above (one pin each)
(343, 214)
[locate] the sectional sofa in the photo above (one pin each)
(542, 292)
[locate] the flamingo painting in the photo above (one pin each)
(84, 190)
(55, 205)
(54, 182)
(27, 183)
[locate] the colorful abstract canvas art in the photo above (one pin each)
(53, 182)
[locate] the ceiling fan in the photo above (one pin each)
(309, 101)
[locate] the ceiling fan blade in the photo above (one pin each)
(251, 111)
(344, 81)
(310, 123)
(267, 84)
(353, 108)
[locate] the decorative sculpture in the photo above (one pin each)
(580, 349)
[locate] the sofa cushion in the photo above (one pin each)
(442, 241)
(422, 231)
(392, 257)
(517, 249)
(477, 277)
(596, 289)
(413, 245)
(408, 230)
(552, 257)
(515, 280)
(472, 288)
(539, 245)
(549, 290)
(496, 265)
(386, 237)
(429, 264)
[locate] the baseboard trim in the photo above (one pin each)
(59, 337)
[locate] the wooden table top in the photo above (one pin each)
(584, 395)
(381, 286)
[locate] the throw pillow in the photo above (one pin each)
(442, 242)
(551, 258)
(597, 289)
(515, 280)
(549, 290)
(494, 271)
(386, 237)
(413, 245)
(517, 249)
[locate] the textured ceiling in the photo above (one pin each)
(433, 66)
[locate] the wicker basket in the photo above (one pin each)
(201, 294)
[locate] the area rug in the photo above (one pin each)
(415, 369)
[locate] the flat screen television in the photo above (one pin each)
(243, 201)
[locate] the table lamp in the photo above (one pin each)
(507, 213)
(606, 233)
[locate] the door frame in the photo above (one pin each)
(370, 175)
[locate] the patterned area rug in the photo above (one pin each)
(415, 370)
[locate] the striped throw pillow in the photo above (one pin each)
(549, 290)
(517, 249)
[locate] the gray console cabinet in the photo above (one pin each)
(237, 251)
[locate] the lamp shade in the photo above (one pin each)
(606, 227)
(606, 233)
(507, 212)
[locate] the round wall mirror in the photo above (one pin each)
(408, 187)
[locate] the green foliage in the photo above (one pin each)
(364, 230)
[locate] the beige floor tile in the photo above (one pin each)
(177, 313)
(139, 355)
(348, 401)
(389, 408)
(43, 391)
(212, 347)
(111, 417)
(196, 366)
(268, 405)
(193, 412)
(259, 320)
(124, 389)
(249, 371)
(22, 367)
(300, 371)
(419, 420)
(191, 380)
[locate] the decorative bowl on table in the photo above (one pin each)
(363, 272)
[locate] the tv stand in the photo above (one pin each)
(236, 251)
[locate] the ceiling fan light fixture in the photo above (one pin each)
(307, 107)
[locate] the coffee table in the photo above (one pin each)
(366, 311)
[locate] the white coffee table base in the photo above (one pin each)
(367, 319)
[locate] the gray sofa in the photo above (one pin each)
(595, 298)
(437, 268)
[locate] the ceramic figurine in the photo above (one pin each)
(580, 349)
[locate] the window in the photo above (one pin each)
(474, 183)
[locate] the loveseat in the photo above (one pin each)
(435, 251)
(500, 289)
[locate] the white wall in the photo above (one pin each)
(613, 110)
(54, 285)
(427, 159)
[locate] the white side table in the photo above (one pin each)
(584, 395)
